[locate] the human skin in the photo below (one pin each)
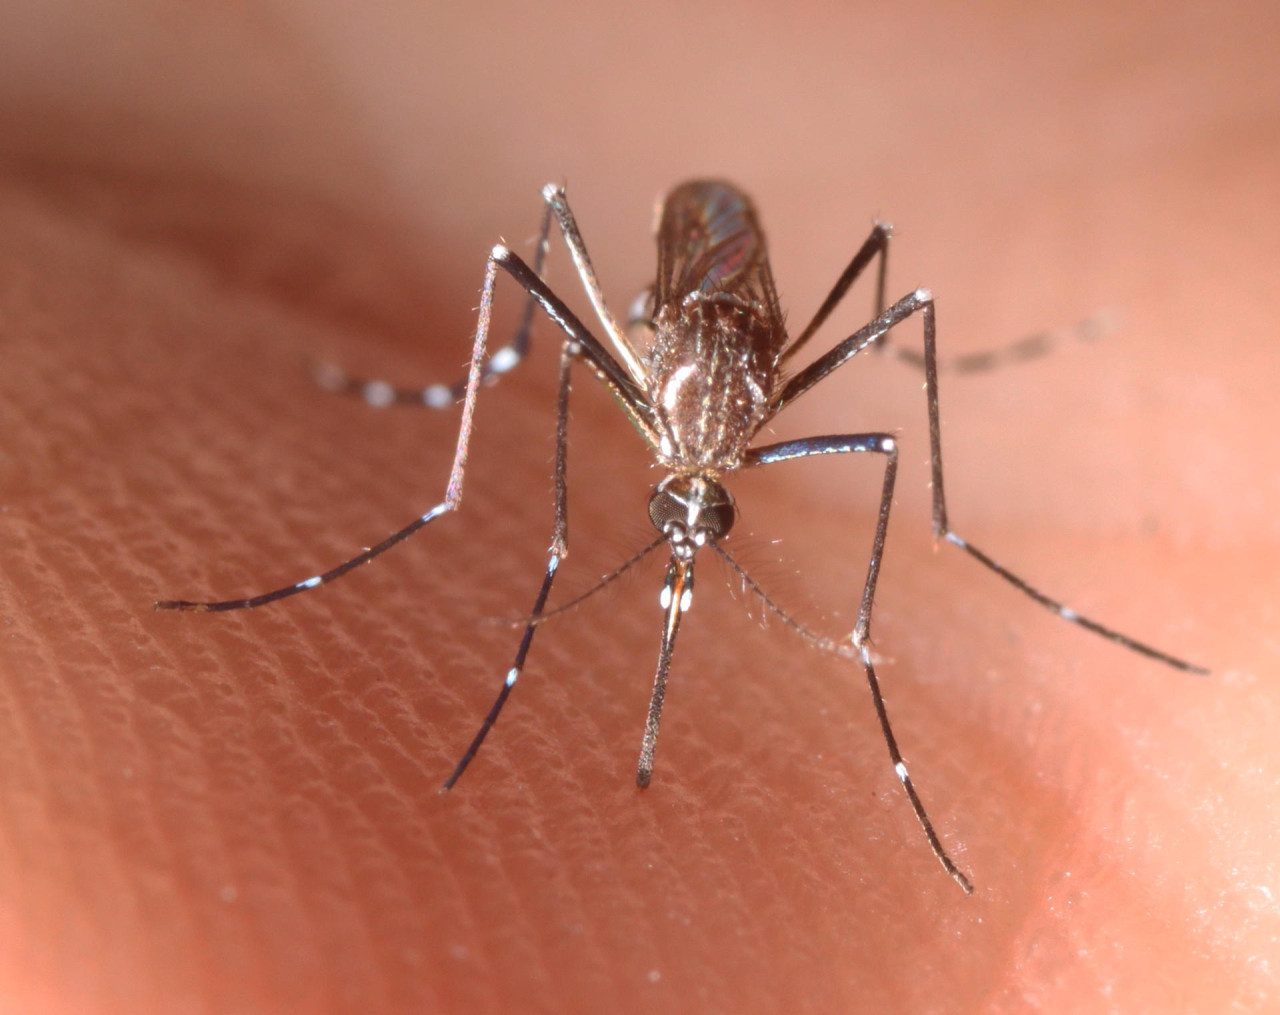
(240, 812)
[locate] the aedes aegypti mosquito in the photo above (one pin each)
(713, 372)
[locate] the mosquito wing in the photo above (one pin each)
(709, 243)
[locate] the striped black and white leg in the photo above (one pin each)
(453, 490)
(382, 394)
(883, 444)
(559, 548)
(1030, 347)
(579, 346)
(921, 302)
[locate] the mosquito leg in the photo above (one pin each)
(559, 205)
(559, 548)
(942, 530)
(900, 767)
(604, 581)
(884, 444)
(1029, 347)
(382, 394)
(579, 344)
(582, 344)
(585, 345)
(835, 358)
(876, 243)
(921, 301)
(453, 490)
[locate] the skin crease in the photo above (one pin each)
(240, 812)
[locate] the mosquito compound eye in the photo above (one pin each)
(692, 504)
(666, 508)
(717, 519)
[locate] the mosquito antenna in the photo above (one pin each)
(604, 581)
(818, 641)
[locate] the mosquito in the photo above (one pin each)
(703, 367)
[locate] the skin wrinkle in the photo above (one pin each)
(240, 812)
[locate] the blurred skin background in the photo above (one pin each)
(239, 812)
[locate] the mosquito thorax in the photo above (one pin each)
(691, 511)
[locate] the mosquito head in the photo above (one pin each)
(691, 511)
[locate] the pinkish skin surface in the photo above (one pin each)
(239, 813)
